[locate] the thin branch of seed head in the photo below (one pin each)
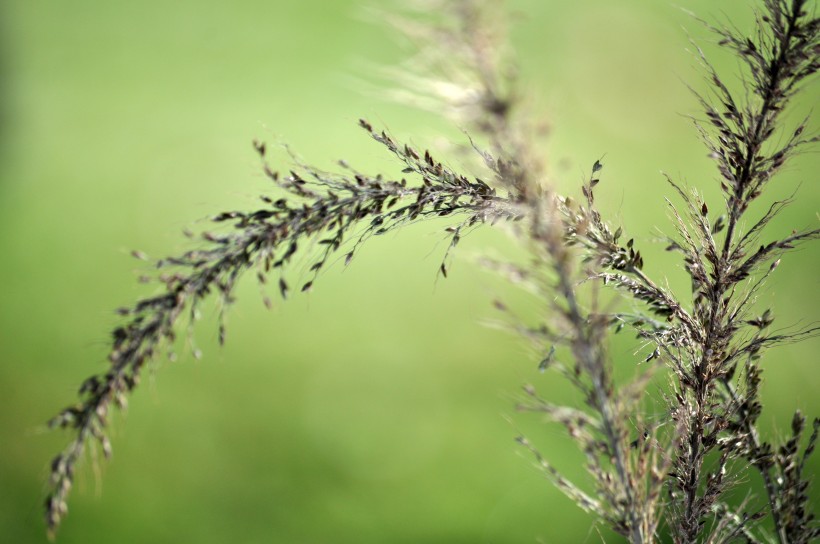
(319, 206)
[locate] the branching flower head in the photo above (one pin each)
(648, 480)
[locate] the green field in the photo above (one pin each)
(379, 407)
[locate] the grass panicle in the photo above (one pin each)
(651, 479)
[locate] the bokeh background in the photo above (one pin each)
(377, 408)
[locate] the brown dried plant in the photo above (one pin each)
(649, 481)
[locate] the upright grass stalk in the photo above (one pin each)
(649, 481)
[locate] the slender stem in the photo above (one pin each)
(582, 346)
(743, 179)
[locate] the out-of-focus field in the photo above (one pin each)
(376, 408)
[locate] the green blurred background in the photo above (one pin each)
(377, 408)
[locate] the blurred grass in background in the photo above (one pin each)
(375, 408)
